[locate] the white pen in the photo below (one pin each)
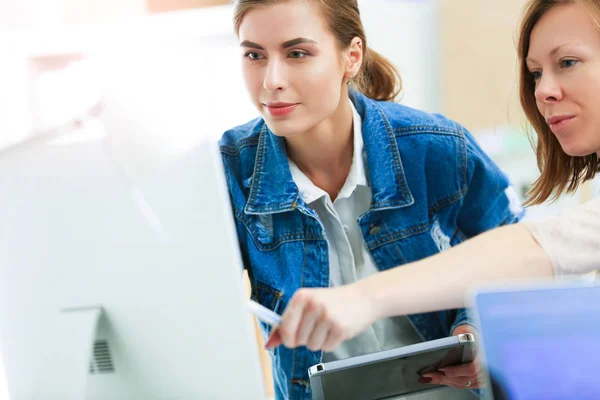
(264, 314)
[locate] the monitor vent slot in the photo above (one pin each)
(102, 362)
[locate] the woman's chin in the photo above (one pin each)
(579, 153)
(285, 129)
(574, 150)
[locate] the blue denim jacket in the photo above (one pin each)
(432, 187)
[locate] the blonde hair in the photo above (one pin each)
(560, 172)
(378, 78)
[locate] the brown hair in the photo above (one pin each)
(378, 78)
(560, 172)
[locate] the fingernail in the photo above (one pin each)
(268, 344)
(425, 380)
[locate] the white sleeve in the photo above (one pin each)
(571, 239)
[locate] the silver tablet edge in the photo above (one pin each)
(322, 369)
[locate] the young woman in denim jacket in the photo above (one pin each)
(335, 182)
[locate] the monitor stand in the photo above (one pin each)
(69, 359)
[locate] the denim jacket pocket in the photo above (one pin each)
(423, 241)
(267, 296)
(270, 298)
(269, 232)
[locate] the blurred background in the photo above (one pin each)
(63, 59)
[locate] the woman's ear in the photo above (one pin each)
(354, 54)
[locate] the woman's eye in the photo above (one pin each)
(536, 75)
(297, 54)
(567, 63)
(253, 56)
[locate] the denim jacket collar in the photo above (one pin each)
(384, 166)
(273, 190)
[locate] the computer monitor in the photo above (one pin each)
(119, 285)
(541, 341)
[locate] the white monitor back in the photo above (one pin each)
(160, 257)
(113, 235)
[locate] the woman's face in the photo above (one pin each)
(564, 59)
(293, 66)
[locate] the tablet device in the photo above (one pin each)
(389, 373)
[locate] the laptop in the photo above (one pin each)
(541, 342)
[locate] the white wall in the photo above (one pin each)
(36, 14)
(83, 11)
(15, 111)
(30, 14)
(407, 33)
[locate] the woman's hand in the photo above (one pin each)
(321, 319)
(465, 376)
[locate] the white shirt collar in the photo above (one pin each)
(357, 176)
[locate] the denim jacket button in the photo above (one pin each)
(375, 230)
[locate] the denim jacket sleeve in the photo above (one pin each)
(489, 202)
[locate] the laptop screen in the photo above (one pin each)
(542, 343)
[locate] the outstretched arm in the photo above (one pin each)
(323, 318)
(441, 281)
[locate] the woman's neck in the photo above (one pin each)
(324, 154)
